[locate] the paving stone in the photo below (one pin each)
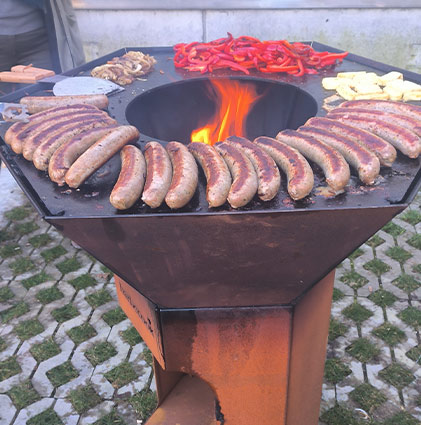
(65, 410)
(7, 411)
(33, 410)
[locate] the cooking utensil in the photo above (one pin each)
(13, 112)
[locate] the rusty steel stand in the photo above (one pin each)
(236, 366)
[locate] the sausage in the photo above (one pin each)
(399, 119)
(333, 164)
(384, 150)
(67, 154)
(269, 179)
(158, 174)
(130, 182)
(244, 185)
(408, 109)
(99, 153)
(45, 150)
(360, 157)
(216, 171)
(53, 127)
(17, 127)
(36, 104)
(401, 138)
(295, 166)
(184, 178)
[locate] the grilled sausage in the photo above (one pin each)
(399, 119)
(333, 164)
(401, 138)
(360, 157)
(158, 175)
(99, 153)
(130, 182)
(413, 111)
(384, 150)
(297, 169)
(67, 154)
(36, 104)
(17, 127)
(268, 176)
(244, 185)
(216, 171)
(185, 176)
(45, 150)
(48, 129)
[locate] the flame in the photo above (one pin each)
(233, 102)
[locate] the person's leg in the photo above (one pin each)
(33, 48)
(7, 52)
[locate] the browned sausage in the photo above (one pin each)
(297, 169)
(216, 171)
(130, 182)
(267, 172)
(36, 104)
(244, 185)
(184, 178)
(333, 164)
(360, 157)
(401, 138)
(384, 150)
(99, 153)
(45, 150)
(67, 154)
(158, 175)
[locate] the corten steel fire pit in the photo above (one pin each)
(238, 298)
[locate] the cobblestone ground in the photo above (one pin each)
(69, 355)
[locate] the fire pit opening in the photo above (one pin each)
(176, 110)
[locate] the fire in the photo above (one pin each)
(233, 102)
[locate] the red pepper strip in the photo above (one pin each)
(234, 65)
(301, 68)
(276, 68)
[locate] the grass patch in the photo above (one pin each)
(81, 333)
(401, 418)
(144, 403)
(375, 241)
(17, 213)
(393, 229)
(84, 398)
(397, 375)
(45, 350)
(362, 350)
(376, 266)
(69, 265)
(357, 253)
(382, 298)
(28, 328)
(101, 352)
(3, 344)
(36, 279)
(6, 294)
(65, 313)
(415, 241)
(368, 397)
(83, 281)
(22, 265)
(26, 228)
(399, 254)
(7, 235)
(415, 354)
(16, 311)
(390, 334)
(10, 250)
(62, 374)
(8, 368)
(338, 415)
(23, 395)
(147, 356)
(47, 417)
(52, 254)
(336, 371)
(353, 279)
(412, 217)
(417, 269)
(337, 295)
(411, 316)
(39, 241)
(357, 313)
(111, 419)
(46, 296)
(407, 283)
(121, 375)
(115, 316)
(98, 298)
(131, 336)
